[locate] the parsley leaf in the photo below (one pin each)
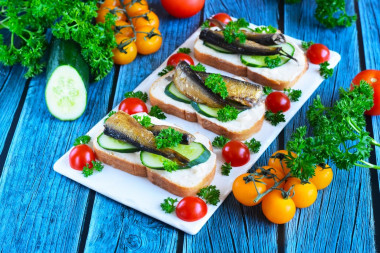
(232, 31)
(82, 140)
(156, 111)
(253, 145)
(168, 206)
(267, 90)
(226, 169)
(168, 138)
(184, 50)
(294, 95)
(166, 70)
(275, 118)
(272, 62)
(87, 171)
(145, 121)
(333, 13)
(170, 165)
(109, 115)
(217, 85)
(325, 71)
(210, 194)
(138, 94)
(98, 166)
(306, 44)
(199, 67)
(266, 29)
(205, 24)
(220, 141)
(228, 113)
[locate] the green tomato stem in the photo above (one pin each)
(367, 165)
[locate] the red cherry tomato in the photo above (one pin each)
(222, 17)
(236, 153)
(81, 156)
(183, 8)
(133, 106)
(176, 58)
(277, 101)
(373, 78)
(191, 209)
(318, 53)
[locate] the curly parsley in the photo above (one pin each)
(294, 95)
(228, 113)
(325, 71)
(265, 29)
(306, 44)
(168, 138)
(275, 118)
(87, 171)
(210, 194)
(217, 85)
(232, 31)
(267, 90)
(170, 166)
(184, 50)
(166, 70)
(138, 94)
(272, 62)
(156, 111)
(199, 67)
(82, 140)
(145, 121)
(220, 141)
(206, 24)
(253, 145)
(226, 169)
(333, 13)
(109, 115)
(168, 206)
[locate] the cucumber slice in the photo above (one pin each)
(110, 143)
(172, 92)
(205, 110)
(195, 152)
(68, 77)
(216, 48)
(258, 61)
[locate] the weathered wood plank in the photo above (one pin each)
(40, 209)
(115, 227)
(234, 227)
(341, 219)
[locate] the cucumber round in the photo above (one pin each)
(172, 92)
(196, 152)
(112, 144)
(258, 61)
(205, 110)
(216, 48)
(68, 78)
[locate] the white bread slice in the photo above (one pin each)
(247, 123)
(278, 78)
(181, 183)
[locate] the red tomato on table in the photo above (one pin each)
(222, 17)
(372, 77)
(191, 209)
(183, 8)
(81, 156)
(176, 58)
(236, 153)
(133, 106)
(277, 101)
(318, 53)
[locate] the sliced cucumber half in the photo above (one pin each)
(112, 144)
(205, 110)
(66, 93)
(258, 61)
(216, 48)
(172, 92)
(196, 152)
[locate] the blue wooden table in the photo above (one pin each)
(41, 210)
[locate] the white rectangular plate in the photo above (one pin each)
(142, 195)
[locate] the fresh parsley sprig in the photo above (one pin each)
(210, 194)
(227, 113)
(333, 13)
(199, 67)
(138, 94)
(166, 70)
(82, 140)
(206, 24)
(168, 138)
(294, 95)
(156, 111)
(168, 206)
(266, 29)
(325, 71)
(267, 90)
(272, 62)
(170, 166)
(96, 165)
(184, 50)
(307, 44)
(275, 118)
(145, 121)
(220, 141)
(109, 115)
(217, 85)
(232, 31)
(226, 169)
(253, 145)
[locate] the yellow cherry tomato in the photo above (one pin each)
(102, 12)
(126, 31)
(145, 18)
(278, 209)
(134, 6)
(272, 175)
(148, 40)
(244, 192)
(323, 177)
(305, 194)
(277, 161)
(130, 49)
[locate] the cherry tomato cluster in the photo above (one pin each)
(136, 29)
(279, 193)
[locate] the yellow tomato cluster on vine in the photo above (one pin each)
(136, 28)
(280, 194)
